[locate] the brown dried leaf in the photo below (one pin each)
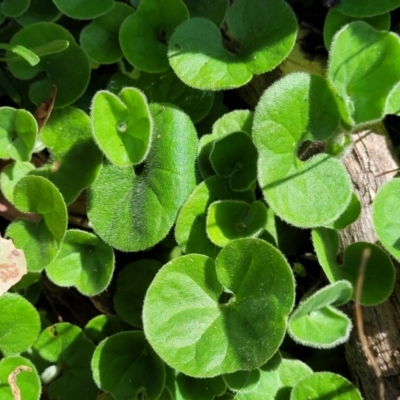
(42, 113)
(12, 378)
(12, 265)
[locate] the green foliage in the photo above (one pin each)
(111, 122)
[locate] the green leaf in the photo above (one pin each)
(67, 347)
(385, 216)
(40, 241)
(100, 38)
(316, 323)
(102, 326)
(206, 319)
(379, 271)
(10, 176)
(166, 87)
(27, 378)
(367, 8)
(190, 229)
(273, 380)
(132, 284)
(145, 34)
(84, 9)
(84, 261)
(75, 159)
(349, 216)
(39, 11)
(363, 87)
(122, 127)
(393, 101)
(14, 8)
(308, 193)
(258, 43)
(213, 10)
(227, 124)
(71, 78)
(235, 156)
(125, 365)
(134, 209)
(232, 219)
(20, 324)
(335, 20)
(325, 385)
(18, 130)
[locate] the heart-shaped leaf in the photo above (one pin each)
(255, 44)
(205, 318)
(134, 209)
(312, 193)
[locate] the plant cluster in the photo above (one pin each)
(120, 105)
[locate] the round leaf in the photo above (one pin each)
(135, 210)
(144, 35)
(102, 326)
(214, 10)
(39, 11)
(70, 78)
(314, 192)
(367, 8)
(84, 261)
(122, 126)
(125, 365)
(14, 8)
(232, 219)
(20, 323)
(201, 329)
(258, 44)
(84, 9)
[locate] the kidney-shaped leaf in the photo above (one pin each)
(205, 318)
(316, 323)
(312, 193)
(41, 240)
(122, 126)
(126, 366)
(134, 209)
(364, 87)
(379, 271)
(256, 44)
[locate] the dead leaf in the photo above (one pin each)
(44, 109)
(12, 380)
(12, 265)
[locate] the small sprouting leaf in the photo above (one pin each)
(134, 209)
(102, 326)
(316, 323)
(75, 159)
(335, 20)
(233, 219)
(379, 271)
(206, 318)
(230, 122)
(273, 380)
(84, 261)
(28, 55)
(144, 35)
(12, 265)
(100, 38)
(40, 241)
(235, 156)
(166, 87)
(308, 193)
(18, 130)
(20, 323)
(71, 80)
(132, 284)
(126, 366)
(325, 385)
(190, 229)
(122, 127)
(386, 219)
(366, 8)
(363, 87)
(255, 44)
(39, 11)
(84, 9)
(22, 378)
(14, 8)
(214, 10)
(67, 347)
